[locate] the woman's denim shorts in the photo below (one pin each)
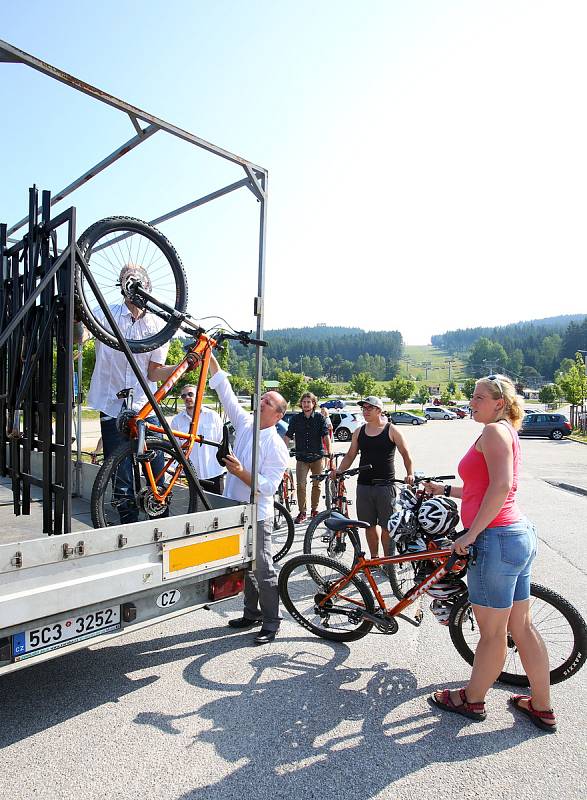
(501, 574)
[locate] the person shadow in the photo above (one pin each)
(303, 721)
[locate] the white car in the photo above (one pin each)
(345, 423)
(437, 412)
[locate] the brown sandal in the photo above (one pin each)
(537, 717)
(474, 711)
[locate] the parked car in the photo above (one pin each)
(333, 404)
(345, 424)
(555, 426)
(405, 418)
(460, 412)
(436, 412)
(530, 411)
(438, 402)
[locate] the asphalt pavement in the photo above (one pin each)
(191, 709)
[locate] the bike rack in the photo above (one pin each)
(145, 125)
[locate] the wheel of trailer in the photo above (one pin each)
(124, 253)
(114, 501)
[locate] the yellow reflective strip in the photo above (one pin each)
(202, 552)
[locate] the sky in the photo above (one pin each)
(427, 160)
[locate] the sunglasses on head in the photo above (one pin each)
(187, 394)
(495, 379)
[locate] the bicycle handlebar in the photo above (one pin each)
(243, 337)
(345, 474)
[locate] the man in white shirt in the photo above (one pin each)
(112, 373)
(261, 593)
(203, 456)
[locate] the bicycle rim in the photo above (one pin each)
(108, 247)
(115, 502)
(321, 541)
(306, 579)
(558, 622)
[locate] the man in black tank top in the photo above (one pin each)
(377, 442)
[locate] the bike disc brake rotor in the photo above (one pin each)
(149, 503)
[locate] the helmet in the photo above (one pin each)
(441, 610)
(438, 515)
(445, 588)
(395, 524)
(407, 498)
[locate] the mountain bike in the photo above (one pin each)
(125, 256)
(344, 544)
(322, 540)
(342, 604)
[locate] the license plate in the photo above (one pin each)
(41, 639)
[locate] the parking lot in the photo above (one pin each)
(189, 709)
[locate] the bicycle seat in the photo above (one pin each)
(338, 522)
(224, 449)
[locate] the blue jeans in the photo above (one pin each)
(501, 574)
(123, 482)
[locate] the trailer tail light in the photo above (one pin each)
(227, 585)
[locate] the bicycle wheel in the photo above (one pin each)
(122, 494)
(559, 623)
(321, 541)
(305, 579)
(113, 244)
(401, 576)
(283, 522)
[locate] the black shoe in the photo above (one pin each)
(243, 622)
(265, 637)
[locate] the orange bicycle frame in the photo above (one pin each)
(199, 352)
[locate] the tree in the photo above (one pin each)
(242, 385)
(320, 387)
(573, 384)
(399, 390)
(469, 387)
(362, 383)
(549, 393)
(421, 395)
(292, 385)
(485, 356)
(175, 354)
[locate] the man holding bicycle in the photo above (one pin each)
(377, 442)
(261, 593)
(112, 373)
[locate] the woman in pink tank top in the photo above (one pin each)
(505, 546)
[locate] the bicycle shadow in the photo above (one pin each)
(303, 721)
(46, 694)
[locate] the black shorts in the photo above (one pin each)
(375, 504)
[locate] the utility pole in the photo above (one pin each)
(426, 365)
(449, 362)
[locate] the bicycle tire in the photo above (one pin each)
(288, 494)
(297, 588)
(105, 511)
(319, 540)
(566, 657)
(328, 493)
(170, 287)
(401, 576)
(281, 510)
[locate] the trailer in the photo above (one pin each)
(63, 584)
